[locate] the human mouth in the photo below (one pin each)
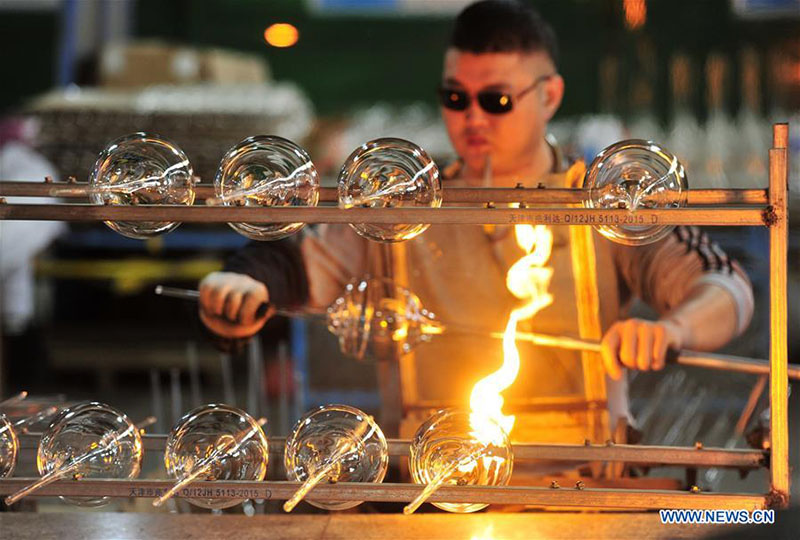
(476, 142)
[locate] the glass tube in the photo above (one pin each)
(90, 440)
(389, 173)
(266, 171)
(446, 450)
(335, 443)
(142, 168)
(376, 311)
(225, 442)
(631, 175)
(9, 447)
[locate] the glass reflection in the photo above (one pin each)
(389, 173)
(632, 175)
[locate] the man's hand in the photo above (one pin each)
(639, 344)
(229, 302)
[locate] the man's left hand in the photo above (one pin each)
(639, 344)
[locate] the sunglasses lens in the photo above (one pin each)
(494, 102)
(455, 100)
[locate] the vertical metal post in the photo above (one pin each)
(299, 404)
(283, 388)
(299, 335)
(226, 366)
(778, 220)
(157, 401)
(176, 395)
(253, 376)
(587, 296)
(194, 373)
(382, 263)
(409, 392)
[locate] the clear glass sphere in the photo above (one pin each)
(337, 431)
(267, 171)
(9, 447)
(631, 175)
(91, 429)
(142, 168)
(377, 311)
(243, 448)
(446, 439)
(389, 173)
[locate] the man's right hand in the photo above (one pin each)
(229, 303)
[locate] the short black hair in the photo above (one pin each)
(503, 26)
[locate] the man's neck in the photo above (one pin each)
(533, 169)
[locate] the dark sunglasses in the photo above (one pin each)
(491, 101)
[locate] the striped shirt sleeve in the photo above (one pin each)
(664, 273)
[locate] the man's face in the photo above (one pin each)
(511, 137)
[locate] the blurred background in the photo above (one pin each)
(80, 320)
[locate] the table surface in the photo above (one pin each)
(482, 526)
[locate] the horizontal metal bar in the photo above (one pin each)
(647, 455)
(577, 196)
(508, 216)
(450, 194)
(726, 362)
(570, 403)
(722, 362)
(634, 499)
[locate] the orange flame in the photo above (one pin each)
(635, 13)
(527, 279)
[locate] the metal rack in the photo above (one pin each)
(706, 207)
(545, 495)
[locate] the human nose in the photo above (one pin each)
(474, 115)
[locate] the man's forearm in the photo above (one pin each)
(707, 318)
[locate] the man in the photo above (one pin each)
(500, 87)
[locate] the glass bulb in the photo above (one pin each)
(9, 447)
(232, 433)
(389, 173)
(340, 436)
(142, 168)
(636, 174)
(377, 311)
(448, 440)
(267, 171)
(104, 442)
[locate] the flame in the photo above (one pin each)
(635, 13)
(527, 279)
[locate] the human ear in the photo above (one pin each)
(551, 95)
